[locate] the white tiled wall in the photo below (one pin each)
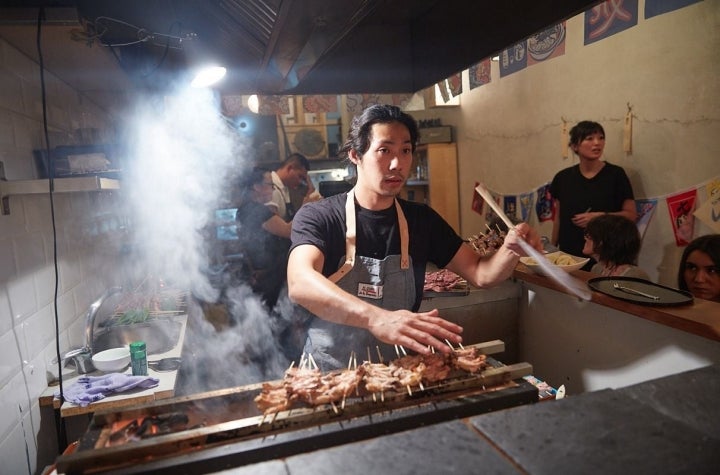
(87, 256)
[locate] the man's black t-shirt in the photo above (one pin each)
(322, 224)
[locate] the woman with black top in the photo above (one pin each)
(591, 188)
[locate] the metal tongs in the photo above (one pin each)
(629, 290)
(571, 284)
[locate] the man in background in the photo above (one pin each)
(290, 176)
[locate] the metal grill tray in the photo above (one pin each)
(666, 296)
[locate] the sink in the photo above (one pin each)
(159, 336)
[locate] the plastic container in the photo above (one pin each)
(138, 358)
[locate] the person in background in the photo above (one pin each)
(263, 236)
(614, 242)
(591, 188)
(357, 260)
(290, 175)
(699, 271)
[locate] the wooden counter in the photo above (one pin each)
(701, 318)
(164, 389)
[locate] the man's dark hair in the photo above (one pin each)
(296, 159)
(583, 129)
(359, 136)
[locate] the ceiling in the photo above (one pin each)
(272, 46)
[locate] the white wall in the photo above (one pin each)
(588, 347)
(667, 67)
(88, 236)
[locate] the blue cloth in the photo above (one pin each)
(89, 389)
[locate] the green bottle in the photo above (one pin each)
(138, 358)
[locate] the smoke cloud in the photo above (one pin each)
(185, 157)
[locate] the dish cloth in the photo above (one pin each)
(89, 389)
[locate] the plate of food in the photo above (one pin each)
(559, 259)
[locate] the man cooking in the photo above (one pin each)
(357, 259)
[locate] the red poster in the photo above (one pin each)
(477, 201)
(681, 207)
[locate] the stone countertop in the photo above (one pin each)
(164, 389)
(667, 425)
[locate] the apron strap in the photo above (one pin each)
(351, 235)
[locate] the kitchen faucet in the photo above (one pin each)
(82, 357)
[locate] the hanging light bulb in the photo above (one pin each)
(208, 76)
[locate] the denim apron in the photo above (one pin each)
(388, 283)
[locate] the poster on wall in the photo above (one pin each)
(658, 7)
(709, 211)
(681, 206)
(547, 44)
(543, 205)
(513, 59)
(479, 73)
(356, 103)
(645, 208)
(320, 103)
(274, 105)
(608, 18)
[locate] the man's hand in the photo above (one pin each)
(416, 331)
(523, 231)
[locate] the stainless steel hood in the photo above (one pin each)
(280, 46)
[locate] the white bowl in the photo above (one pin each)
(573, 262)
(112, 360)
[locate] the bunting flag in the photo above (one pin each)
(544, 204)
(480, 73)
(658, 7)
(510, 207)
(455, 84)
(273, 105)
(547, 44)
(608, 18)
(477, 201)
(513, 59)
(526, 204)
(320, 103)
(709, 211)
(444, 90)
(681, 206)
(645, 209)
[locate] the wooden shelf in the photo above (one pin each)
(61, 185)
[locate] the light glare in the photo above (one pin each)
(208, 76)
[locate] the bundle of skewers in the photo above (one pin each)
(306, 386)
(487, 243)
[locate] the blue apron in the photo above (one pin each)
(388, 283)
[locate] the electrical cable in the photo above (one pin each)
(51, 192)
